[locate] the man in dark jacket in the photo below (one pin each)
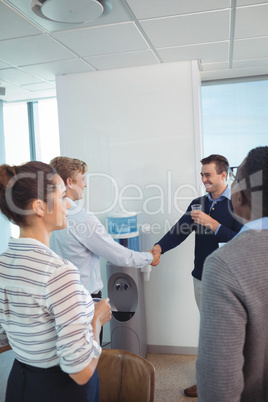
(213, 223)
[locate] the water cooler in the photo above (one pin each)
(126, 291)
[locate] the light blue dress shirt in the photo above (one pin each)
(225, 194)
(84, 240)
(258, 224)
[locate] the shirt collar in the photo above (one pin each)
(225, 194)
(71, 202)
(26, 243)
(258, 224)
(74, 208)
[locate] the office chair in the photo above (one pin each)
(125, 377)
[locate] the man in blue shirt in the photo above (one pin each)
(215, 223)
(85, 239)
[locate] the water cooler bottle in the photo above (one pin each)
(125, 290)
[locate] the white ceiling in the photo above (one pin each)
(229, 38)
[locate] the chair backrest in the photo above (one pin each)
(125, 377)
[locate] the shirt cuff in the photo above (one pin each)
(218, 228)
(150, 257)
(96, 350)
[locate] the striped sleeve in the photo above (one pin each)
(73, 309)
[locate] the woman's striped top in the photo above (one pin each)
(45, 312)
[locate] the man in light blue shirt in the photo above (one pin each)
(85, 238)
(225, 194)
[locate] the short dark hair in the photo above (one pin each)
(255, 172)
(20, 185)
(222, 164)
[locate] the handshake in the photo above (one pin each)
(156, 253)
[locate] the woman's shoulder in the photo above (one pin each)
(60, 262)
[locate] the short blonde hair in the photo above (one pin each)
(68, 167)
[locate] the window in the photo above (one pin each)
(20, 145)
(48, 130)
(16, 129)
(16, 133)
(235, 118)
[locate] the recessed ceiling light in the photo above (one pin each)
(70, 11)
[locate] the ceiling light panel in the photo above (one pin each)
(72, 11)
(113, 12)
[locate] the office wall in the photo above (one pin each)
(138, 131)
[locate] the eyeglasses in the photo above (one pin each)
(233, 173)
(252, 182)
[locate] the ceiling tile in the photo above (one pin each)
(251, 21)
(17, 76)
(12, 25)
(250, 48)
(215, 66)
(159, 8)
(103, 40)
(188, 29)
(234, 73)
(48, 71)
(15, 93)
(249, 2)
(250, 63)
(166, 31)
(4, 65)
(32, 50)
(207, 52)
(18, 93)
(122, 60)
(38, 87)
